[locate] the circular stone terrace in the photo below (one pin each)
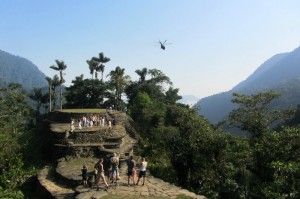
(60, 122)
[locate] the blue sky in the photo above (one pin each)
(215, 43)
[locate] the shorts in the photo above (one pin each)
(142, 174)
(84, 177)
(131, 172)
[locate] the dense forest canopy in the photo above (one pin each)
(181, 146)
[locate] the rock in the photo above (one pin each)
(82, 189)
(99, 194)
(86, 195)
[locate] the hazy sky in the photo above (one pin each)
(215, 43)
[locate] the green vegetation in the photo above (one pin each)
(181, 146)
(18, 146)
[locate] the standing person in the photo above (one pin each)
(72, 125)
(115, 167)
(143, 170)
(131, 169)
(80, 124)
(84, 174)
(84, 121)
(100, 174)
(103, 121)
(109, 124)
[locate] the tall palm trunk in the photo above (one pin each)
(54, 99)
(50, 99)
(60, 96)
(60, 90)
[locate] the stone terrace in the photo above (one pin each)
(153, 188)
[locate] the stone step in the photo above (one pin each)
(46, 180)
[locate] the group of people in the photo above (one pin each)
(92, 120)
(113, 172)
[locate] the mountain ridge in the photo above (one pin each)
(279, 73)
(17, 69)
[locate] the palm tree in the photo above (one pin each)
(119, 81)
(99, 68)
(142, 73)
(54, 85)
(49, 80)
(101, 60)
(93, 67)
(60, 66)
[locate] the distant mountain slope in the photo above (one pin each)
(281, 73)
(20, 70)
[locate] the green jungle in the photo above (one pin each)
(182, 147)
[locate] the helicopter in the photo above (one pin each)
(163, 44)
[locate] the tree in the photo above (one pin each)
(52, 85)
(14, 116)
(172, 95)
(86, 93)
(254, 113)
(49, 81)
(142, 74)
(118, 82)
(93, 66)
(153, 86)
(101, 60)
(60, 66)
(40, 98)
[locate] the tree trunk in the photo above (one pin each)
(54, 99)
(50, 99)
(60, 97)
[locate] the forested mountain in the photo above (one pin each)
(280, 73)
(20, 70)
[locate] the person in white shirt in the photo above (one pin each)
(103, 121)
(109, 124)
(72, 126)
(80, 124)
(143, 169)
